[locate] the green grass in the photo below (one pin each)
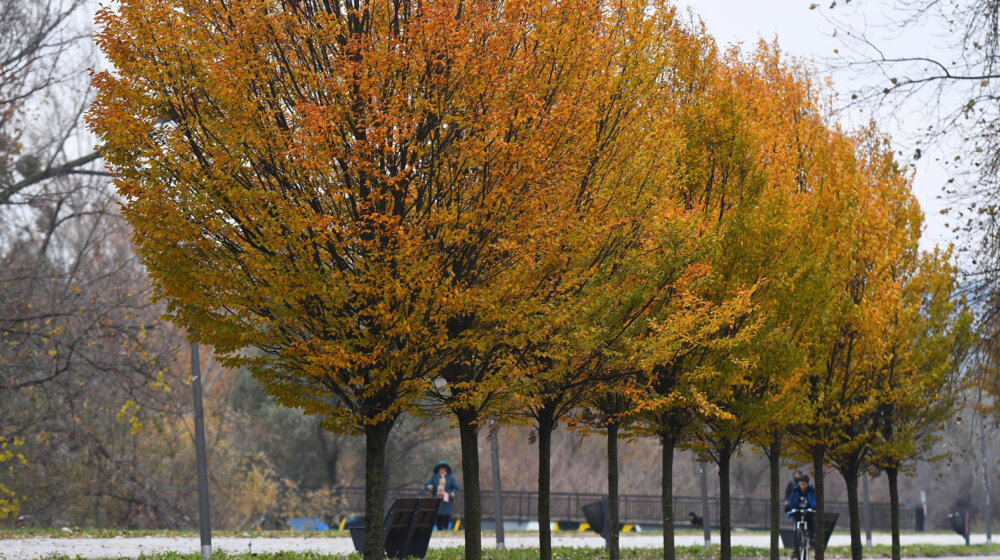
(920, 551)
(688, 553)
(74, 532)
(683, 552)
(110, 533)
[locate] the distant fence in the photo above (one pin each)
(746, 513)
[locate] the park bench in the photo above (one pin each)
(406, 530)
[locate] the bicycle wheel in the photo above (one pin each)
(804, 549)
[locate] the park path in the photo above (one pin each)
(128, 547)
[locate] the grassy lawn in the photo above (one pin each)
(687, 552)
(594, 554)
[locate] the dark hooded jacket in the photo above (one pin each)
(800, 499)
(450, 486)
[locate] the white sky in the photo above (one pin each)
(808, 34)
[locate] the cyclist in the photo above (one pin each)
(803, 498)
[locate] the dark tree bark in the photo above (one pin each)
(612, 491)
(773, 452)
(667, 495)
(469, 432)
(818, 453)
(893, 474)
(850, 473)
(460, 376)
(375, 445)
(546, 423)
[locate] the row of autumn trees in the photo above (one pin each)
(530, 212)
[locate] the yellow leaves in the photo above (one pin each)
(135, 426)
(159, 384)
(9, 501)
(7, 447)
(583, 182)
(130, 409)
(125, 409)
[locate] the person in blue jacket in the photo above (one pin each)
(803, 498)
(442, 484)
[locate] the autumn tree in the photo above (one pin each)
(743, 185)
(875, 220)
(920, 384)
(891, 229)
(682, 325)
(313, 174)
(773, 241)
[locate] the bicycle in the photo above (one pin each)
(802, 541)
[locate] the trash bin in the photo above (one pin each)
(596, 515)
(959, 521)
(829, 522)
(788, 535)
(356, 525)
(787, 538)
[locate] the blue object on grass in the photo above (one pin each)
(307, 524)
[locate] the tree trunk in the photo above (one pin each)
(545, 425)
(667, 495)
(893, 474)
(773, 453)
(725, 529)
(375, 445)
(612, 544)
(612, 491)
(468, 430)
(819, 450)
(850, 474)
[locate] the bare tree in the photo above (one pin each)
(956, 85)
(84, 357)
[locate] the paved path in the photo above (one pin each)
(127, 547)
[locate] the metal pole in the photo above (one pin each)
(868, 511)
(986, 482)
(706, 522)
(497, 500)
(202, 464)
(923, 510)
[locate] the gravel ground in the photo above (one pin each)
(127, 547)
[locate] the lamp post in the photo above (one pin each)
(868, 511)
(497, 499)
(986, 482)
(202, 463)
(706, 524)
